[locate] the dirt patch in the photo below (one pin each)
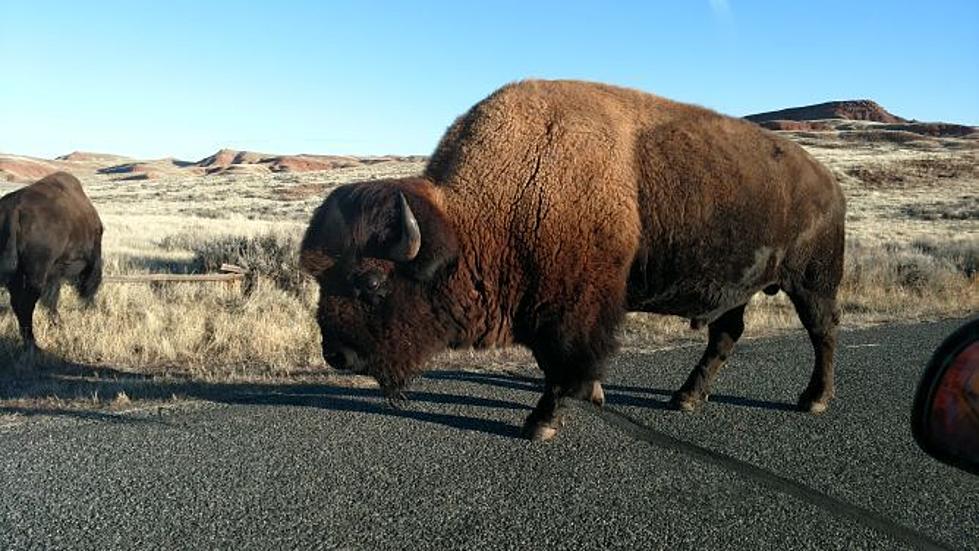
(300, 192)
(934, 129)
(900, 137)
(89, 157)
(134, 177)
(147, 170)
(303, 163)
(949, 167)
(966, 208)
(923, 172)
(796, 126)
(230, 170)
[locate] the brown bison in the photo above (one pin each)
(551, 208)
(49, 233)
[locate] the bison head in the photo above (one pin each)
(381, 252)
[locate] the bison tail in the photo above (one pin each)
(8, 247)
(90, 279)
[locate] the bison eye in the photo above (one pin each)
(371, 282)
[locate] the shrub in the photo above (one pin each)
(274, 256)
(962, 253)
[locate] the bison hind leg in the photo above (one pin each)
(23, 300)
(89, 281)
(820, 316)
(723, 333)
(50, 299)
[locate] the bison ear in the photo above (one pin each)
(326, 236)
(439, 245)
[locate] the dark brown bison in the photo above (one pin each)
(551, 208)
(49, 233)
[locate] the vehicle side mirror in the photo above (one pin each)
(945, 415)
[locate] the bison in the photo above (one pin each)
(49, 233)
(550, 209)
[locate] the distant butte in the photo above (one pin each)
(88, 156)
(234, 161)
(831, 116)
(855, 110)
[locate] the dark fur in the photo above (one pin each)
(49, 233)
(551, 208)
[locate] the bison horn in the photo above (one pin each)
(411, 237)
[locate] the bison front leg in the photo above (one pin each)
(723, 333)
(549, 414)
(572, 373)
(572, 352)
(547, 417)
(573, 370)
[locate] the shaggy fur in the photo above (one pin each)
(49, 233)
(551, 208)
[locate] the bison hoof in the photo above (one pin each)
(540, 432)
(397, 401)
(597, 395)
(687, 401)
(813, 402)
(813, 406)
(537, 430)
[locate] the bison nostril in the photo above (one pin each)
(333, 359)
(342, 359)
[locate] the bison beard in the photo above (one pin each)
(552, 207)
(391, 357)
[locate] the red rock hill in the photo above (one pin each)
(858, 110)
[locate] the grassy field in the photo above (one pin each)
(913, 253)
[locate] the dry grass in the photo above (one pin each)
(913, 252)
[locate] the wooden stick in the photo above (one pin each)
(173, 278)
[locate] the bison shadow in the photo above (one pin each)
(371, 401)
(49, 387)
(615, 394)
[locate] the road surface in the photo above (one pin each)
(334, 468)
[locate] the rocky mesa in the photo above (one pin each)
(834, 115)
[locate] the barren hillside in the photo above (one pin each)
(847, 115)
(858, 110)
(20, 168)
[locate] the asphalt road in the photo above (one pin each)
(333, 468)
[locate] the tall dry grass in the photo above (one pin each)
(212, 331)
(267, 328)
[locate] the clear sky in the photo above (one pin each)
(159, 78)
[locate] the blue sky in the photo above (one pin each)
(151, 79)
